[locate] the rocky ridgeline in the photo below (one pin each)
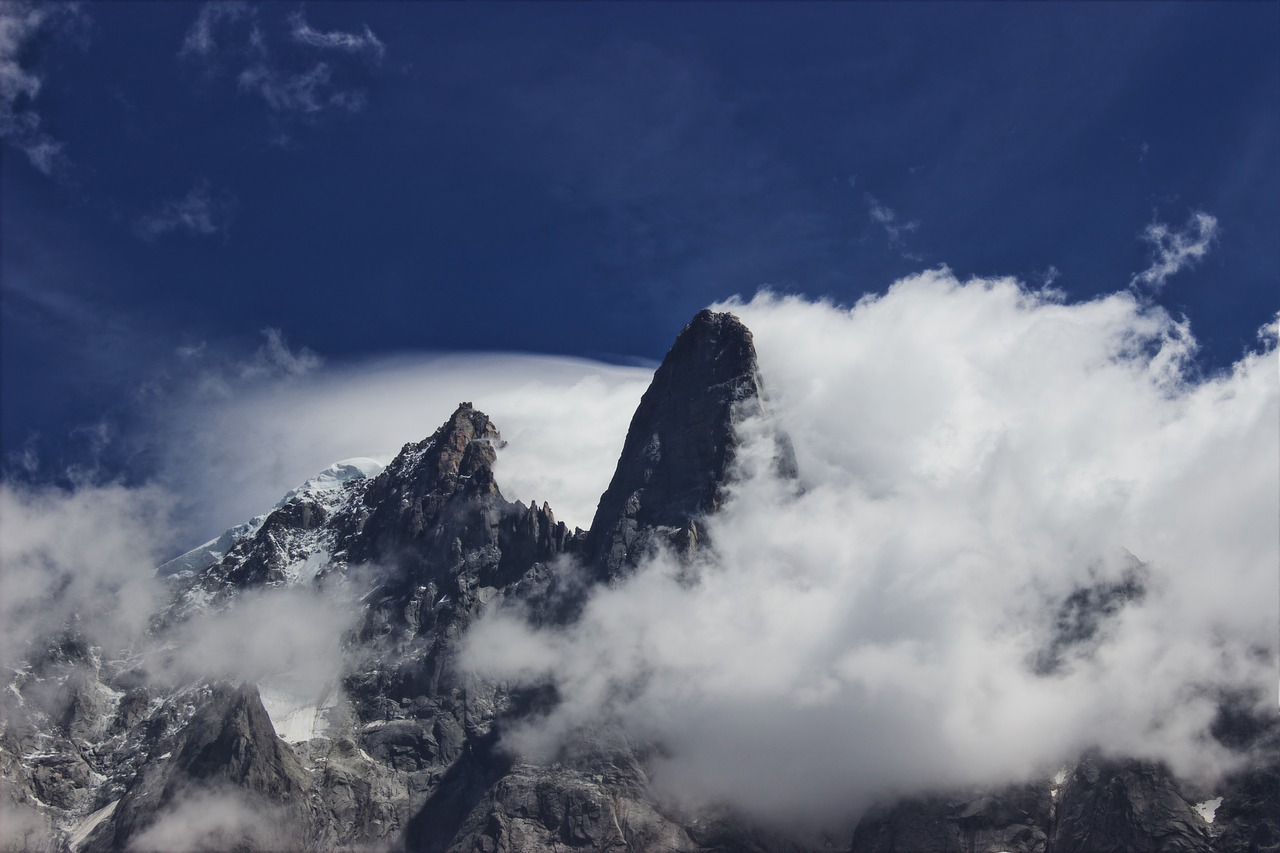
(100, 755)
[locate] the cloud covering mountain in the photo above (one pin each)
(980, 465)
(1023, 528)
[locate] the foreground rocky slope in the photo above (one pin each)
(402, 750)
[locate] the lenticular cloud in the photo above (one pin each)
(1027, 528)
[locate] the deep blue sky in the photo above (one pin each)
(581, 178)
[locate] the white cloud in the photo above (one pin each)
(83, 557)
(972, 454)
(212, 41)
(288, 637)
(220, 819)
(894, 229)
(23, 826)
(213, 19)
(365, 42)
(20, 124)
(1173, 250)
(276, 358)
(306, 92)
(200, 212)
(192, 350)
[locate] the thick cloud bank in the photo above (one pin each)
(1026, 528)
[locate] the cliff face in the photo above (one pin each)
(402, 750)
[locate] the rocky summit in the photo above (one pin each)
(680, 445)
(402, 749)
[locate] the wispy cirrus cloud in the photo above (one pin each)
(307, 92)
(276, 359)
(365, 42)
(1174, 249)
(202, 212)
(894, 228)
(231, 34)
(20, 124)
(211, 375)
(211, 26)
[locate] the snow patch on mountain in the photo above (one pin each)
(325, 488)
(1209, 808)
(333, 478)
(210, 553)
(297, 719)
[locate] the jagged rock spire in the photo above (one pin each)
(409, 502)
(680, 444)
(436, 519)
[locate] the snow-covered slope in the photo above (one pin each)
(325, 488)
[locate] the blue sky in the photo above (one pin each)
(381, 178)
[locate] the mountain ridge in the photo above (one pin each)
(405, 747)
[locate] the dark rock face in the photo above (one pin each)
(1122, 806)
(1104, 806)
(1248, 818)
(435, 492)
(443, 542)
(231, 739)
(680, 445)
(1248, 821)
(557, 808)
(437, 505)
(1017, 818)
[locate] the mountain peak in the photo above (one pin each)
(715, 343)
(463, 448)
(680, 445)
(453, 466)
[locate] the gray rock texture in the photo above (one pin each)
(1136, 806)
(1017, 818)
